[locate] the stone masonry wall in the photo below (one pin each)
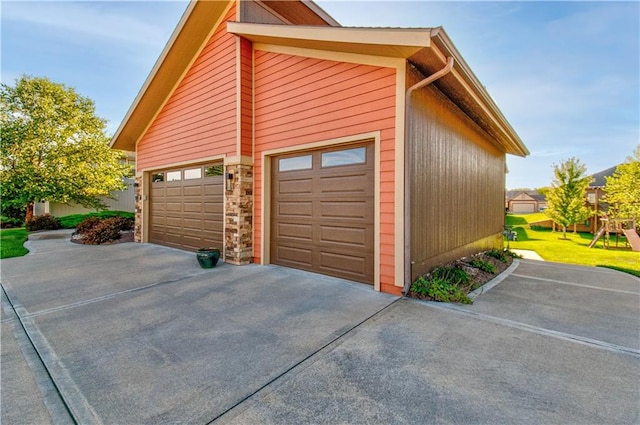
(137, 230)
(238, 243)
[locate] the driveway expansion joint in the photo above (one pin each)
(530, 328)
(307, 360)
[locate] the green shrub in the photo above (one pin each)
(72, 221)
(452, 275)
(107, 230)
(498, 255)
(439, 290)
(42, 222)
(483, 265)
(9, 222)
(512, 254)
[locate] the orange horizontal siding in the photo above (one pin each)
(303, 100)
(199, 119)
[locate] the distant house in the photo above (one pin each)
(525, 202)
(269, 130)
(594, 198)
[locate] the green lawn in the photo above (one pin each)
(11, 242)
(575, 250)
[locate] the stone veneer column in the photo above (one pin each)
(238, 237)
(137, 229)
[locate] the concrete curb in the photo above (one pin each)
(496, 280)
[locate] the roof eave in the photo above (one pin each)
(197, 23)
(511, 141)
(388, 42)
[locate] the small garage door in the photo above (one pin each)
(186, 207)
(322, 212)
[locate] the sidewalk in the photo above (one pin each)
(527, 254)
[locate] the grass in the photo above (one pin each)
(72, 221)
(575, 250)
(12, 241)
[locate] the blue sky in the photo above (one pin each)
(565, 74)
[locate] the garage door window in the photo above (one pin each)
(193, 173)
(214, 170)
(344, 157)
(295, 163)
(157, 177)
(173, 176)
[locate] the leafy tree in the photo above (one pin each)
(566, 197)
(622, 191)
(54, 148)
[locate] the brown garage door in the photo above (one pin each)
(187, 207)
(322, 213)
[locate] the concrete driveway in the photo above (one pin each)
(131, 333)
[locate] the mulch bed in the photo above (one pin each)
(478, 277)
(124, 237)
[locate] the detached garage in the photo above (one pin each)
(267, 129)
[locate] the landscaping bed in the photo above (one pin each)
(452, 282)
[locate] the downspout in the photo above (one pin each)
(407, 175)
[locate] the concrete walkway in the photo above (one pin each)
(136, 333)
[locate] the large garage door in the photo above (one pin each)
(187, 207)
(522, 208)
(322, 214)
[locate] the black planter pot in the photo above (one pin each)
(208, 257)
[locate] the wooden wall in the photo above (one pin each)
(457, 183)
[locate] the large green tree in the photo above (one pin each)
(54, 147)
(622, 191)
(566, 196)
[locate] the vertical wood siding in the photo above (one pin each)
(457, 183)
(199, 120)
(303, 100)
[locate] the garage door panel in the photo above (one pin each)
(295, 208)
(346, 236)
(190, 211)
(195, 191)
(344, 209)
(350, 267)
(192, 224)
(322, 218)
(173, 191)
(191, 206)
(301, 232)
(301, 257)
(299, 187)
(349, 185)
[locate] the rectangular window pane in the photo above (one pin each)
(295, 163)
(345, 157)
(157, 177)
(193, 173)
(214, 170)
(174, 176)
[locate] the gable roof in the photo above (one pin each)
(599, 179)
(425, 48)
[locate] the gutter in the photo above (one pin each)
(407, 177)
